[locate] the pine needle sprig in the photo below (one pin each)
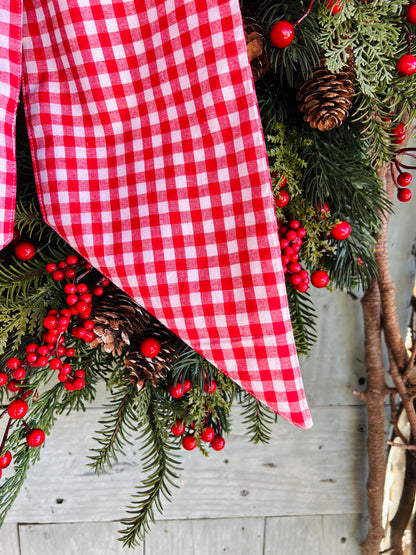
(258, 418)
(190, 365)
(161, 464)
(303, 317)
(119, 423)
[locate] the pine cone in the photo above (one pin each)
(257, 55)
(119, 321)
(325, 99)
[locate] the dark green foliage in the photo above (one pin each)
(258, 418)
(160, 464)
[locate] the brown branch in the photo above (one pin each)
(374, 400)
(404, 510)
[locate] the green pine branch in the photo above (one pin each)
(161, 466)
(126, 408)
(258, 418)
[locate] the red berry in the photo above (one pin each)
(31, 348)
(58, 275)
(24, 250)
(62, 377)
(98, 291)
(341, 231)
(296, 279)
(71, 260)
(79, 373)
(302, 287)
(35, 438)
(66, 369)
(319, 278)
(70, 288)
(86, 297)
(71, 299)
(79, 383)
(178, 428)
(207, 434)
(189, 442)
(89, 336)
(41, 350)
(82, 287)
(3, 378)
(70, 352)
(50, 267)
(55, 363)
(187, 386)
(150, 347)
(282, 33)
(404, 195)
(42, 361)
(50, 322)
(411, 13)
(88, 324)
(335, 6)
(19, 373)
(291, 235)
(301, 232)
(13, 363)
(17, 409)
(294, 267)
(5, 459)
(211, 388)
(70, 273)
(82, 307)
(404, 179)
(62, 264)
(406, 65)
(399, 133)
(13, 386)
(218, 443)
(69, 386)
(282, 198)
(177, 391)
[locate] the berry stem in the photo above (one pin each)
(26, 426)
(308, 11)
(409, 44)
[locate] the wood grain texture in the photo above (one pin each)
(9, 540)
(319, 471)
(92, 538)
(230, 536)
(314, 535)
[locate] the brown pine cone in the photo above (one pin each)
(326, 98)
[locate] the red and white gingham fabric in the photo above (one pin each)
(150, 161)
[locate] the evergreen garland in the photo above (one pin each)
(335, 169)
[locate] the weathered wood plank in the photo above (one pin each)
(342, 534)
(92, 538)
(319, 471)
(9, 540)
(233, 536)
(296, 535)
(314, 535)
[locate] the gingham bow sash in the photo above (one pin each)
(150, 161)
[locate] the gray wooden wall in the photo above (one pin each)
(302, 493)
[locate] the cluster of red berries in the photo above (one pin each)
(16, 410)
(189, 441)
(51, 352)
(404, 178)
(207, 434)
(291, 239)
(406, 64)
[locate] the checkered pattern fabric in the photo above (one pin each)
(150, 161)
